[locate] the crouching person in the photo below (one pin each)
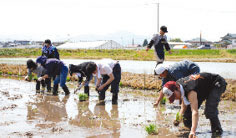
(54, 67)
(175, 72)
(85, 69)
(108, 72)
(32, 67)
(193, 90)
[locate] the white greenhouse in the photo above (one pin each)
(108, 44)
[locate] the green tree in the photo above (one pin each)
(145, 42)
(176, 40)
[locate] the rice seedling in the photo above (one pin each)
(151, 129)
(163, 100)
(83, 96)
(177, 119)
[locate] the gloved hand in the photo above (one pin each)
(40, 78)
(27, 78)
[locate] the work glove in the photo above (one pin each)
(79, 87)
(27, 78)
(40, 78)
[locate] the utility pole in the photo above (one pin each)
(157, 17)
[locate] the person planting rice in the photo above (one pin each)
(108, 72)
(174, 72)
(32, 67)
(85, 69)
(193, 90)
(54, 67)
(159, 41)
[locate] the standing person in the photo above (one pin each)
(54, 67)
(49, 51)
(175, 72)
(108, 72)
(159, 41)
(32, 67)
(84, 69)
(193, 90)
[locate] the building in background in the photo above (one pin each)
(105, 44)
(198, 42)
(229, 41)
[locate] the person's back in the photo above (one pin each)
(202, 83)
(180, 70)
(183, 69)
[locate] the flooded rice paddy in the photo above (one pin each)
(25, 114)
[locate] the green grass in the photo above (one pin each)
(1, 73)
(123, 54)
(151, 129)
(83, 97)
(232, 51)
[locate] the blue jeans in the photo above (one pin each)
(62, 77)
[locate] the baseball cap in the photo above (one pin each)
(160, 69)
(164, 29)
(168, 90)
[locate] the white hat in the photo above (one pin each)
(167, 92)
(160, 69)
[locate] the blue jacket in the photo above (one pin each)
(50, 52)
(180, 70)
(52, 66)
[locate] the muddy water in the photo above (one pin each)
(227, 70)
(23, 113)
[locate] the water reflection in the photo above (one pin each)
(48, 108)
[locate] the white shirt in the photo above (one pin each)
(105, 67)
(186, 102)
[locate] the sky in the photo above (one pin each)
(59, 19)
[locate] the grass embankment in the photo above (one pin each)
(136, 81)
(218, 55)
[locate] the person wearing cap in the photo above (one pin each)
(175, 72)
(84, 69)
(54, 67)
(193, 91)
(159, 41)
(108, 73)
(49, 51)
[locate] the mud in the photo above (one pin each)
(29, 115)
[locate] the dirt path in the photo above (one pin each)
(25, 114)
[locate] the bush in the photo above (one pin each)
(151, 129)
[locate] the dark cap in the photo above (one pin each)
(164, 29)
(47, 41)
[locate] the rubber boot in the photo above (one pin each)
(101, 95)
(86, 90)
(216, 126)
(114, 98)
(66, 90)
(55, 90)
(48, 83)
